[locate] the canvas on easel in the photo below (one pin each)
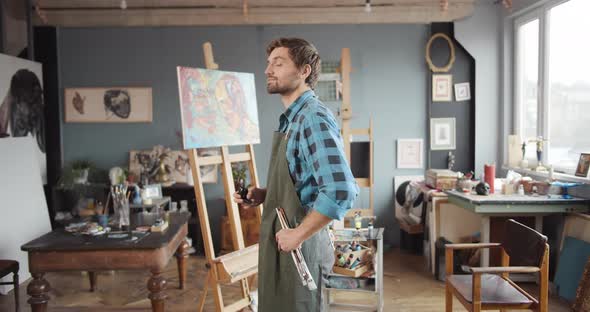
(218, 109)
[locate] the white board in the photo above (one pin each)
(21, 98)
(23, 209)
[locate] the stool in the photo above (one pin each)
(7, 267)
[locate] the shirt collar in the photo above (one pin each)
(293, 109)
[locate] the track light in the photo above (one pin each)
(123, 4)
(368, 6)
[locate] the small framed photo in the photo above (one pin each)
(462, 92)
(583, 165)
(442, 134)
(410, 153)
(152, 191)
(441, 88)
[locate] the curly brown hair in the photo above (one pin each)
(302, 53)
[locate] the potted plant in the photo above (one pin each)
(80, 170)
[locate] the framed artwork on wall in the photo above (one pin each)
(583, 165)
(410, 153)
(442, 134)
(441, 88)
(111, 105)
(462, 92)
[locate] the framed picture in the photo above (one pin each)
(442, 134)
(153, 191)
(410, 153)
(583, 165)
(462, 92)
(115, 104)
(441, 88)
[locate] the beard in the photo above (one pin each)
(288, 85)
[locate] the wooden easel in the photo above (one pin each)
(348, 132)
(238, 265)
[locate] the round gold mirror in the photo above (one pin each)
(447, 67)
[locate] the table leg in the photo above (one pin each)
(156, 285)
(38, 289)
(485, 238)
(92, 277)
(181, 256)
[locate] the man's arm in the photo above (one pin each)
(290, 239)
(321, 146)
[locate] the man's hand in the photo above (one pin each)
(288, 239)
(255, 195)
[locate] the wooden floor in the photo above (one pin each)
(408, 287)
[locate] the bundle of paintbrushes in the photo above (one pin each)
(120, 198)
(297, 256)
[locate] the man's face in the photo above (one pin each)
(282, 76)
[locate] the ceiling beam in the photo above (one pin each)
(80, 4)
(256, 15)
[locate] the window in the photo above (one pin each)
(552, 91)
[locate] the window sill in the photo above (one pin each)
(544, 175)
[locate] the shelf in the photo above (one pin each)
(368, 289)
(353, 307)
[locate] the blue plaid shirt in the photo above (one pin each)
(315, 154)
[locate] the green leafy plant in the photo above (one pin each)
(239, 173)
(72, 172)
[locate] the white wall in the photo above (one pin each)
(480, 34)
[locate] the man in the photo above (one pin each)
(308, 177)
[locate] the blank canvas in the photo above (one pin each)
(23, 209)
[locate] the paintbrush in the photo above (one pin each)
(297, 255)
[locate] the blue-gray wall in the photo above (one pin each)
(388, 84)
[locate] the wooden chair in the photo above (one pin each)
(524, 250)
(7, 267)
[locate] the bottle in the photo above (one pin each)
(355, 263)
(243, 191)
(358, 221)
(520, 189)
(370, 227)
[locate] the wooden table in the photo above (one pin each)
(498, 205)
(59, 251)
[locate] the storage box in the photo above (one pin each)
(441, 179)
(356, 272)
(363, 254)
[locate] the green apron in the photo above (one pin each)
(279, 285)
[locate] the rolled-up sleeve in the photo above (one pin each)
(323, 152)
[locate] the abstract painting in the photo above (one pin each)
(22, 105)
(218, 108)
(116, 104)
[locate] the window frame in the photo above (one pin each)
(540, 12)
